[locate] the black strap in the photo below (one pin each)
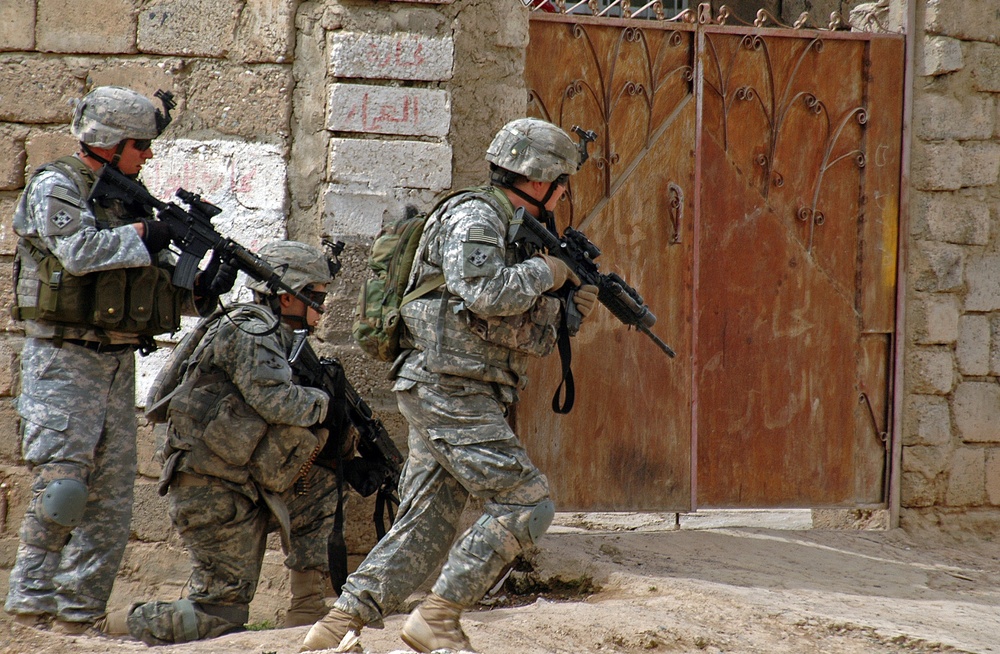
(566, 359)
(336, 547)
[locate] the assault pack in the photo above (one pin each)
(378, 324)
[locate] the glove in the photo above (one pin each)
(156, 235)
(560, 271)
(217, 278)
(585, 299)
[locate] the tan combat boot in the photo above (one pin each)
(434, 625)
(307, 605)
(339, 631)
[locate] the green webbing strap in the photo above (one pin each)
(188, 621)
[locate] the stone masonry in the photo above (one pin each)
(299, 119)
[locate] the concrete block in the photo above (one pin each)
(245, 180)
(941, 55)
(937, 166)
(927, 461)
(249, 102)
(42, 147)
(941, 117)
(982, 275)
(386, 164)
(71, 26)
(266, 31)
(149, 440)
(140, 76)
(8, 239)
(7, 323)
(973, 349)
(937, 267)
(976, 407)
(961, 217)
(984, 65)
(150, 514)
(915, 490)
(995, 344)
(992, 473)
(931, 371)
(961, 19)
(17, 25)
(391, 56)
(12, 157)
(926, 421)
(936, 319)
(388, 110)
(188, 27)
(10, 432)
(45, 86)
(967, 477)
(354, 210)
(980, 164)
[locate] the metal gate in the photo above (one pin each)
(746, 181)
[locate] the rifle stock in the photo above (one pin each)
(192, 232)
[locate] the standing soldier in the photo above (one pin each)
(471, 341)
(91, 290)
(240, 458)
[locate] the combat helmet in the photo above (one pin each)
(534, 148)
(298, 265)
(110, 114)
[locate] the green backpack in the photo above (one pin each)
(378, 325)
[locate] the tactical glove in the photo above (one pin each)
(156, 235)
(585, 299)
(560, 271)
(217, 278)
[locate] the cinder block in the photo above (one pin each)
(961, 217)
(931, 371)
(86, 26)
(916, 491)
(941, 55)
(937, 166)
(937, 267)
(984, 64)
(976, 406)
(927, 461)
(968, 21)
(17, 25)
(388, 110)
(8, 239)
(242, 101)
(926, 420)
(391, 56)
(10, 432)
(353, 210)
(138, 75)
(973, 349)
(967, 477)
(266, 31)
(188, 27)
(942, 117)
(7, 323)
(993, 477)
(936, 319)
(45, 146)
(983, 282)
(12, 156)
(386, 164)
(45, 86)
(980, 164)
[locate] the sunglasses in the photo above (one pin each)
(319, 297)
(142, 144)
(562, 180)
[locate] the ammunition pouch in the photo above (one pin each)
(139, 301)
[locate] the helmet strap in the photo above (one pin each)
(118, 153)
(93, 155)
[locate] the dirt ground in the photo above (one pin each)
(639, 585)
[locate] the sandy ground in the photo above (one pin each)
(639, 585)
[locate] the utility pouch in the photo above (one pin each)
(63, 297)
(281, 455)
(534, 333)
(234, 431)
(109, 299)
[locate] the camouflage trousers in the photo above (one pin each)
(77, 411)
(225, 533)
(459, 445)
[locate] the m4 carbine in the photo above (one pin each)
(191, 230)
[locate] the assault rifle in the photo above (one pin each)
(382, 461)
(192, 232)
(576, 250)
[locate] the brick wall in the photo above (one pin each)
(304, 119)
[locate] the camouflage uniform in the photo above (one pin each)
(77, 407)
(454, 392)
(238, 438)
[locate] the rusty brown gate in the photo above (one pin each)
(746, 181)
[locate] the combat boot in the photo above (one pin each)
(307, 605)
(338, 630)
(434, 625)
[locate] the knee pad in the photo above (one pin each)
(540, 518)
(64, 501)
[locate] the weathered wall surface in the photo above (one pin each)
(299, 119)
(951, 421)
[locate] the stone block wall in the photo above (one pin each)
(300, 119)
(951, 421)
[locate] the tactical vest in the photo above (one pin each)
(455, 341)
(140, 301)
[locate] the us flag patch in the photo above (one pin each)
(482, 235)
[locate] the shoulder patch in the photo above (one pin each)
(484, 235)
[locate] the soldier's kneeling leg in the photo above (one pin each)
(183, 621)
(57, 506)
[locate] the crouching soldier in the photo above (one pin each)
(239, 461)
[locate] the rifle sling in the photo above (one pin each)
(566, 359)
